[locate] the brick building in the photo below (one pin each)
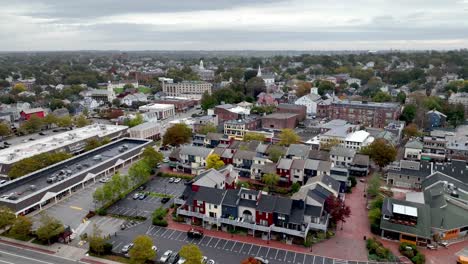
(300, 110)
(365, 113)
(280, 121)
(180, 104)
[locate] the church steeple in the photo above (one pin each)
(201, 67)
(259, 72)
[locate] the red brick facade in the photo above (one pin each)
(300, 110)
(279, 121)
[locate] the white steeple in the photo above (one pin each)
(259, 72)
(201, 67)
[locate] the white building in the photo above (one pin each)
(413, 150)
(163, 111)
(358, 139)
(267, 78)
(120, 84)
(310, 101)
(341, 156)
(129, 99)
(148, 130)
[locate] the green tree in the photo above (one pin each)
(401, 98)
(381, 152)
(295, 187)
(455, 114)
(249, 136)
(81, 121)
(152, 157)
(139, 172)
(128, 86)
(99, 195)
(382, 97)
(325, 86)
(275, 153)
(32, 125)
(207, 128)
(4, 130)
(373, 185)
(409, 113)
(7, 217)
(177, 134)
(21, 228)
(18, 88)
(64, 121)
(208, 101)
(191, 253)
(142, 250)
(134, 121)
(96, 241)
(50, 228)
(214, 161)
(255, 86)
(288, 137)
(50, 119)
(411, 130)
(270, 179)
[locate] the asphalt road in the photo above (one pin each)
(15, 255)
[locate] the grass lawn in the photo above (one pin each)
(145, 90)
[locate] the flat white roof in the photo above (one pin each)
(405, 210)
(155, 107)
(46, 144)
(358, 136)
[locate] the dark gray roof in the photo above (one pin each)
(283, 205)
(245, 154)
(216, 136)
(247, 203)
(319, 155)
(332, 183)
(361, 159)
(297, 215)
(266, 203)
(314, 211)
(209, 195)
(298, 164)
(456, 169)
(342, 151)
(195, 151)
(284, 164)
(231, 197)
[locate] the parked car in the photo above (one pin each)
(165, 200)
(171, 180)
(31, 139)
(136, 196)
(42, 133)
(177, 180)
(142, 187)
(194, 233)
(261, 260)
(181, 260)
(210, 261)
(142, 195)
(104, 180)
(127, 248)
(3, 182)
(154, 248)
(173, 258)
(165, 256)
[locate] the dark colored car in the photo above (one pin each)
(194, 233)
(143, 195)
(165, 200)
(142, 187)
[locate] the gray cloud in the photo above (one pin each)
(226, 24)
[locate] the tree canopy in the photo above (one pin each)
(288, 137)
(36, 162)
(381, 152)
(50, 228)
(207, 128)
(177, 134)
(191, 253)
(214, 161)
(7, 217)
(337, 209)
(249, 136)
(142, 250)
(21, 228)
(270, 179)
(152, 157)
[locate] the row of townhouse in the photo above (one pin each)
(261, 214)
(298, 163)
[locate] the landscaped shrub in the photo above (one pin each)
(411, 251)
(377, 252)
(159, 217)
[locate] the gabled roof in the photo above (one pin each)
(283, 205)
(245, 155)
(285, 164)
(414, 144)
(210, 178)
(266, 203)
(298, 150)
(231, 197)
(33, 110)
(195, 151)
(298, 164)
(209, 195)
(342, 152)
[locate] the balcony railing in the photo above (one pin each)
(322, 225)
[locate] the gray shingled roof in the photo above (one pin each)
(195, 151)
(342, 151)
(298, 150)
(284, 164)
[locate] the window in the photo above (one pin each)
(281, 217)
(215, 206)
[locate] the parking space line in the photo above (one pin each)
(177, 238)
(284, 259)
(240, 250)
(217, 243)
(118, 245)
(268, 251)
(159, 230)
(233, 246)
(225, 244)
(251, 246)
(276, 253)
(313, 260)
(149, 230)
(169, 236)
(162, 235)
(209, 241)
(294, 261)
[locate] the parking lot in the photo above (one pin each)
(135, 207)
(221, 250)
(72, 209)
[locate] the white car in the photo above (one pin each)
(171, 180)
(177, 180)
(181, 260)
(210, 261)
(261, 260)
(204, 259)
(104, 180)
(154, 248)
(165, 256)
(127, 248)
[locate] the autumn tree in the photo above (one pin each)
(250, 260)
(50, 228)
(208, 128)
(270, 179)
(191, 253)
(142, 250)
(214, 161)
(337, 209)
(18, 88)
(21, 228)
(7, 217)
(303, 88)
(177, 134)
(411, 130)
(288, 137)
(381, 152)
(382, 97)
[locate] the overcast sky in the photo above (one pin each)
(228, 24)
